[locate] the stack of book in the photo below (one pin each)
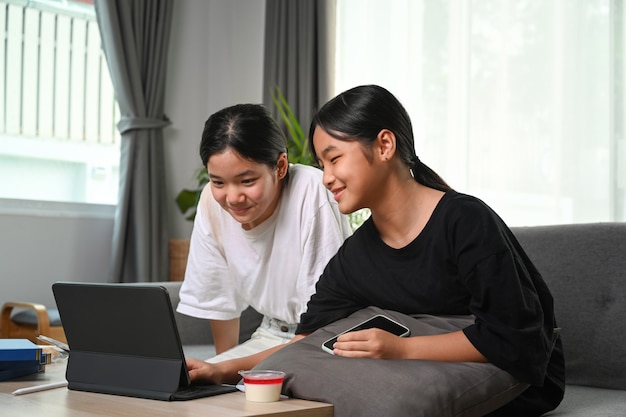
(20, 357)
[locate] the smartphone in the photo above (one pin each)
(379, 321)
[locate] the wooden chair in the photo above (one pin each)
(34, 320)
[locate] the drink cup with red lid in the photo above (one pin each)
(262, 385)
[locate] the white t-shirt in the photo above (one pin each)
(272, 267)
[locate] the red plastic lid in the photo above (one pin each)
(262, 377)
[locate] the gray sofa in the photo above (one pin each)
(585, 268)
(195, 334)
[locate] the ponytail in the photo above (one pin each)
(426, 176)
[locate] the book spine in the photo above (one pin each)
(21, 354)
(16, 373)
(46, 359)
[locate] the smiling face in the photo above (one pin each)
(348, 170)
(248, 190)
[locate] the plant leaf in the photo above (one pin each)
(186, 199)
(297, 141)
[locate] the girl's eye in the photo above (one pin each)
(334, 159)
(217, 183)
(248, 181)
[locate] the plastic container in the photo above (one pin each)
(262, 386)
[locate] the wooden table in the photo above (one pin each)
(68, 403)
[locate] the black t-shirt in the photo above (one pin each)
(465, 261)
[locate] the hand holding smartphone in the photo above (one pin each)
(379, 321)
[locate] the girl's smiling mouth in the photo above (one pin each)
(337, 192)
(239, 210)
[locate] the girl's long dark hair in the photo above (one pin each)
(361, 113)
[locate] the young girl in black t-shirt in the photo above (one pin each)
(426, 249)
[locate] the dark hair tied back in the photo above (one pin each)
(361, 113)
(415, 161)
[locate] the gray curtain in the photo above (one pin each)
(135, 37)
(299, 54)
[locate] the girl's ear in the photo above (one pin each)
(282, 165)
(385, 146)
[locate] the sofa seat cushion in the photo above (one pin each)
(580, 401)
(202, 352)
(29, 317)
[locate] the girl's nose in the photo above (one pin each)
(328, 178)
(235, 196)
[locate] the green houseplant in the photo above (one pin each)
(297, 141)
(187, 199)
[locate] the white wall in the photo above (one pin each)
(39, 249)
(215, 59)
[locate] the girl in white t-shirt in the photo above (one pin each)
(264, 230)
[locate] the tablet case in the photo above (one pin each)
(123, 340)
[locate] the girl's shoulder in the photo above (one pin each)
(305, 198)
(460, 214)
(455, 204)
(305, 183)
(306, 173)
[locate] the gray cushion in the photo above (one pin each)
(585, 267)
(29, 317)
(375, 387)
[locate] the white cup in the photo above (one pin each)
(262, 386)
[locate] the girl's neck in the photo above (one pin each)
(403, 211)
